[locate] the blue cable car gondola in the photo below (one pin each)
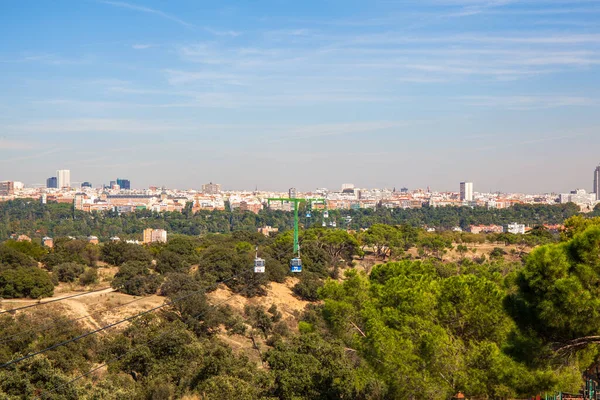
(296, 265)
(308, 215)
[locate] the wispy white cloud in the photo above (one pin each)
(217, 32)
(36, 155)
(46, 58)
(399, 38)
(478, 7)
(142, 46)
(340, 129)
(95, 125)
(531, 102)
(547, 11)
(177, 77)
(6, 144)
(147, 10)
(506, 143)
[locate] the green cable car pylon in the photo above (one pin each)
(296, 262)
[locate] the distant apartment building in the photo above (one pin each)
(267, 230)
(47, 242)
(93, 240)
(154, 236)
(597, 183)
(23, 238)
(211, 188)
(7, 188)
(486, 229)
(63, 177)
(517, 229)
(86, 185)
(466, 191)
(78, 201)
(52, 183)
(283, 206)
(292, 193)
(124, 184)
(252, 206)
(579, 196)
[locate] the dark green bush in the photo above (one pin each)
(68, 272)
(118, 253)
(135, 278)
(25, 282)
(308, 287)
(89, 277)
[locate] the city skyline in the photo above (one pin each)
(465, 188)
(304, 94)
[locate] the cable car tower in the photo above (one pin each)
(296, 262)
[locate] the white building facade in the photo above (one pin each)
(63, 178)
(466, 191)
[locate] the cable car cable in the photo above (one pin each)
(25, 357)
(53, 300)
(46, 393)
(53, 321)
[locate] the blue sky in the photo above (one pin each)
(310, 94)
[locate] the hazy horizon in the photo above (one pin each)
(306, 94)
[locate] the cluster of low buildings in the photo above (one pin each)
(118, 196)
(514, 228)
(149, 236)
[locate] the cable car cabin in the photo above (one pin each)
(308, 214)
(259, 266)
(296, 265)
(326, 214)
(324, 224)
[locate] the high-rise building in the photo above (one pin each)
(52, 183)
(292, 193)
(124, 184)
(466, 191)
(86, 185)
(7, 188)
(63, 177)
(211, 188)
(597, 182)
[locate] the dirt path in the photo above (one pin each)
(80, 310)
(47, 299)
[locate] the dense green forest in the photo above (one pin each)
(410, 329)
(36, 220)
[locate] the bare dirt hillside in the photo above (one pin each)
(93, 309)
(97, 309)
(279, 294)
